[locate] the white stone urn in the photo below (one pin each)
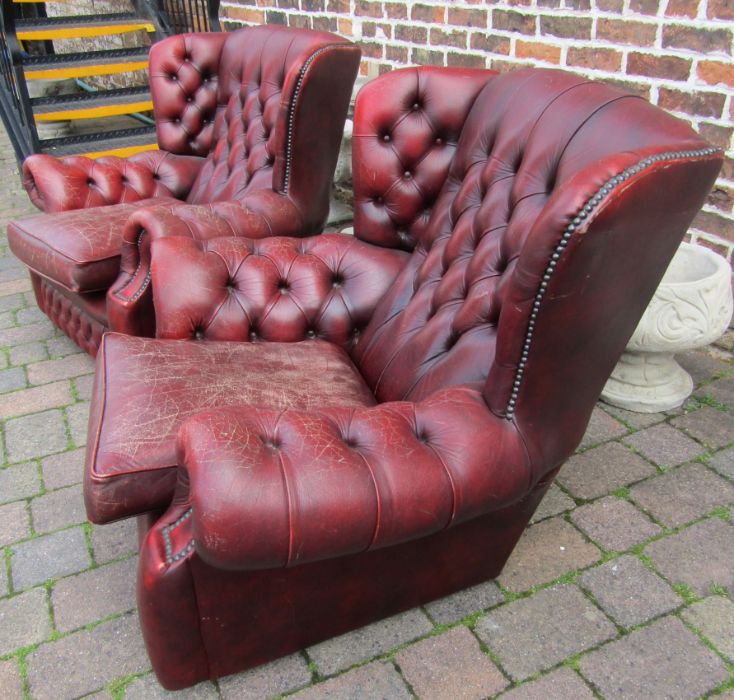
(691, 308)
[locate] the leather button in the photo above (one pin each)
(407, 174)
(386, 138)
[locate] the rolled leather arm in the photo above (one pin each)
(77, 182)
(277, 289)
(262, 213)
(274, 489)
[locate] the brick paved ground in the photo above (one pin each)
(622, 588)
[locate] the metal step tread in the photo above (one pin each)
(61, 60)
(106, 141)
(71, 21)
(90, 99)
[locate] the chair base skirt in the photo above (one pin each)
(80, 316)
(201, 622)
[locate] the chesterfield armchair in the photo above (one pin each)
(368, 423)
(249, 126)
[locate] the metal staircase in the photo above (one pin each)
(107, 121)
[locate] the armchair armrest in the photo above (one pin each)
(77, 182)
(274, 489)
(261, 213)
(277, 289)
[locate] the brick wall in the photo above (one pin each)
(677, 53)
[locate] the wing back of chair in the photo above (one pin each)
(541, 252)
(406, 127)
(252, 102)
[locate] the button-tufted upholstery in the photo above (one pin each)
(249, 126)
(485, 348)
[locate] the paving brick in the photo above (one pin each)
(10, 681)
(84, 386)
(375, 681)
(723, 462)
(63, 368)
(664, 660)
(614, 523)
(87, 660)
(602, 469)
(31, 314)
(554, 502)
(61, 346)
(94, 594)
(58, 509)
(602, 427)
(77, 416)
(450, 665)
(12, 379)
(49, 556)
(280, 676)
(25, 334)
(536, 633)
(714, 619)
(561, 684)
(683, 494)
(11, 301)
(698, 556)
(6, 319)
(4, 584)
(471, 600)
(342, 652)
(546, 551)
(24, 620)
(63, 469)
(114, 541)
(39, 398)
(664, 445)
(29, 352)
(19, 481)
(629, 592)
(709, 426)
(721, 391)
(37, 435)
(20, 285)
(14, 524)
(148, 688)
(702, 366)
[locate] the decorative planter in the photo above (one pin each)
(691, 308)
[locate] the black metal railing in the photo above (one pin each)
(191, 15)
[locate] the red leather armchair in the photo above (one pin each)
(249, 126)
(363, 427)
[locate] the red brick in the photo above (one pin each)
(409, 32)
(324, 24)
(718, 135)
(610, 5)
(344, 26)
(245, 14)
(601, 59)
(682, 8)
(566, 27)
(312, 5)
(467, 18)
(720, 9)
(371, 49)
(385, 68)
(299, 21)
(425, 57)
(673, 67)
(490, 43)
(272, 17)
(511, 21)
(727, 169)
(427, 13)
(341, 6)
(395, 10)
(503, 66)
(697, 39)
(399, 54)
(644, 7)
(288, 4)
(714, 224)
(628, 86)
(525, 3)
(582, 5)
(456, 38)
(366, 8)
(718, 248)
(538, 50)
(369, 29)
(626, 32)
(465, 60)
(703, 104)
(722, 197)
(553, 4)
(716, 72)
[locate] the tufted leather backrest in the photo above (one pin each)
(406, 127)
(234, 98)
(536, 146)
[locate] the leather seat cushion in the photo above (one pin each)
(78, 249)
(145, 388)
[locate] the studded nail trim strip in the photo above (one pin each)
(292, 112)
(577, 221)
(170, 556)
